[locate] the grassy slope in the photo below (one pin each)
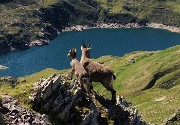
(15, 12)
(165, 11)
(23, 22)
(132, 78)
(23, 90)
(161, 100)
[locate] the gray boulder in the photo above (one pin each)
(66, 103)
(11, 113)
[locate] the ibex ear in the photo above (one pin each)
(74, 49)
(81, 48)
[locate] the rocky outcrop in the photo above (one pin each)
(65, 103)
(70, 12)
(1, 119)
(4, 47)
(175, 120)
(11, 113)
(9, 79)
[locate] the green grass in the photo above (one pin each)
(47, 3)
(132, 78)
(24, 89)
(174, 5)
(157, 11)
(161, 100)
(23, 21)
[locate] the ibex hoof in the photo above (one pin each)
(113, 101)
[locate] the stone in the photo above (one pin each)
(58, 97)
(1, 119)
(15, 114)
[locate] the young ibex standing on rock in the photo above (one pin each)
(79, 71)
(98, 72)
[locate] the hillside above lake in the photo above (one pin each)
(26, 23)
(151, 83)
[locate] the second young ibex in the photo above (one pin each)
(98, 72)
(79, 71)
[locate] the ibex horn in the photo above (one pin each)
(89, 44)
(83, 44)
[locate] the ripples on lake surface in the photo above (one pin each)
(115, 42)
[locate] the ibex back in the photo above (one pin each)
(98, 72)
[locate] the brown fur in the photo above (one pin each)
(98, 72)
(78, 70)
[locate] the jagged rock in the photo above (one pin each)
(94, 116)
(51, 32)
(175, 119)
(65, 101)
(1, 119)
(14, 114)
(122, 113)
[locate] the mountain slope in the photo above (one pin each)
(152, 83)
(26, 23)
(158, 11)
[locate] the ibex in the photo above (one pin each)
(79, 71)
(98, 72)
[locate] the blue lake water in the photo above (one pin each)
(115, 42)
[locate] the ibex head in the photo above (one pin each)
(86, 50)
(72, 53)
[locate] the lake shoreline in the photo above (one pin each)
(115, 42)
(115, 26)
(41, 42)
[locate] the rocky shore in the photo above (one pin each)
(44, 39)
(162, 26)
(129, 25)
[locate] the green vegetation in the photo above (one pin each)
(152, 83)
(162, 98)
(158, 11)
(24, 88)
(24, 21)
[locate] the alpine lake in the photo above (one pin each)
(116, 42)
